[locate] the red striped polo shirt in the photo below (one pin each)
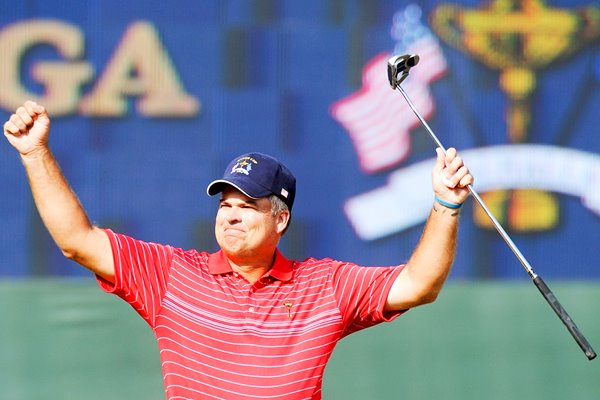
(221, 337)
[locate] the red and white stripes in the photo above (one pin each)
(221, 337)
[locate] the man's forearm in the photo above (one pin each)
(56, 202)
(426, 271)
(432, 259)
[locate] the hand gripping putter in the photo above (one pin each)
(398, 69)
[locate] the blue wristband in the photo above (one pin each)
(447, 203)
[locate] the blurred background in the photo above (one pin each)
(151, 99)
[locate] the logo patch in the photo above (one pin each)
(243, 166)
(288, 304)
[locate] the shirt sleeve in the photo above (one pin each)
(141, 273)
(362, 292)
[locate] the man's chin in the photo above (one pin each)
(233, 250)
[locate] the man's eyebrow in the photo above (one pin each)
(250, 201)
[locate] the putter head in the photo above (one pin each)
(399, 66)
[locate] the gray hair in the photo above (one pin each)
(277, 206)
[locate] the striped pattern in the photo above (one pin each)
(221, 337)
(375, 118)
(378, 119)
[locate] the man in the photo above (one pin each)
(245, 322)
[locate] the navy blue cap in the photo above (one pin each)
(257, 175)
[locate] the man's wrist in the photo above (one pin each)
(447, 204)
(35, 154)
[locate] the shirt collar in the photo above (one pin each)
(218, 264)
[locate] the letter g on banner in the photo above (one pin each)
(62, 80)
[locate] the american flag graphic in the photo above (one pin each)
(377, 119)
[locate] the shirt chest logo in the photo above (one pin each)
(288, 304)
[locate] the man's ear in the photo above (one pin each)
(282, 220)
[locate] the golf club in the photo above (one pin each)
(398, 69)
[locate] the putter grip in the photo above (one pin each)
(564, 317)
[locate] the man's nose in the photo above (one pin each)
(233, 215)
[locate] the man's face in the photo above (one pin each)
(246, 229)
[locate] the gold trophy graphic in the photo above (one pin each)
(518, 38)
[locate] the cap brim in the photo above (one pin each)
(246, 187)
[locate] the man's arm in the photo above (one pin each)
(27, 130)
(428, 267)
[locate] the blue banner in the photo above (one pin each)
(151, 100)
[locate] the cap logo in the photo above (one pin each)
(243, 166)
(284, 193)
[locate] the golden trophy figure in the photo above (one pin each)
(517, 38)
